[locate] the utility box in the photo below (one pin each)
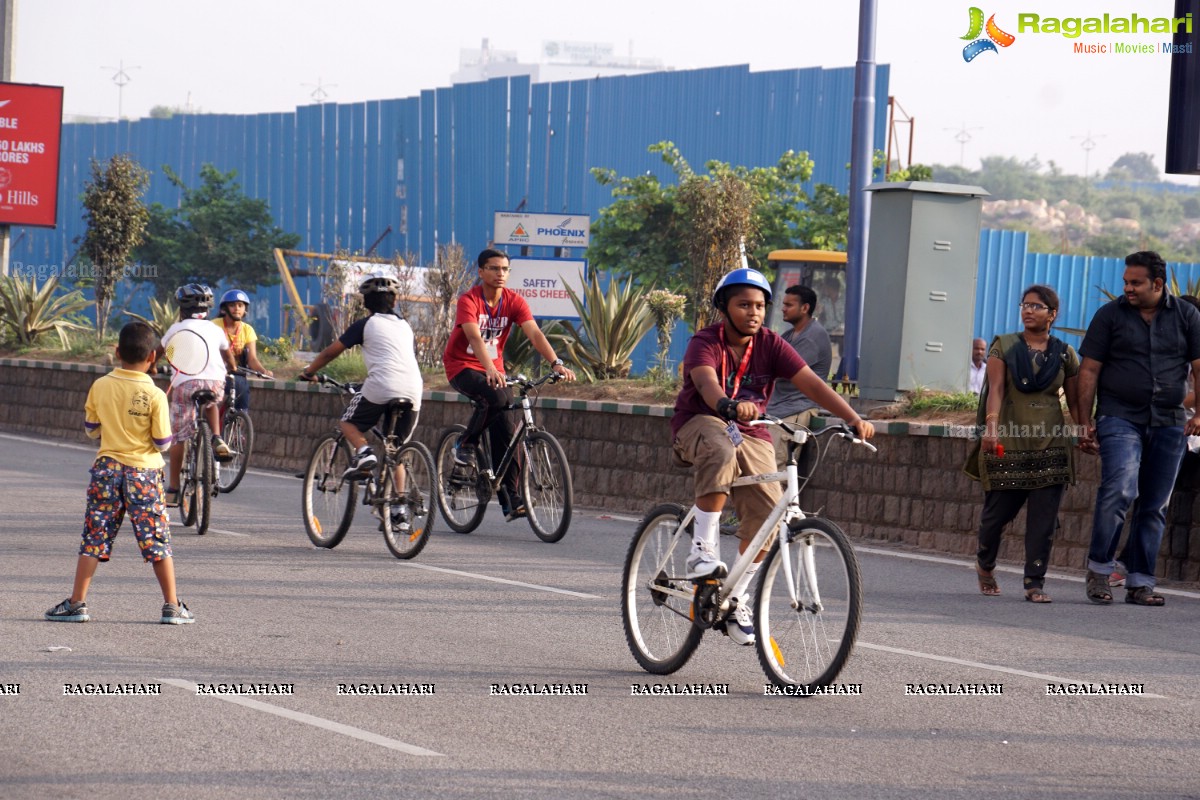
(919, 304)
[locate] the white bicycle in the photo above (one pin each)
(807, 604)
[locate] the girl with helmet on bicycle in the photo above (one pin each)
(195, 301)
(729, 371)
(242, 341)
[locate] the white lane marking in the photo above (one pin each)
(228, 533)
(48, 442)
(618, 518)
(309, 719)
(993, 667)
(958, 562)
(500, 580)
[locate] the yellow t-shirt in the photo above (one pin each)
(241, 335)
(129, 415)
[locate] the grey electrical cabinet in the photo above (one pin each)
(919, 304)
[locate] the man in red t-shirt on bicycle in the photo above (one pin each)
(485, 317)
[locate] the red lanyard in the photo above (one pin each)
(741, 370)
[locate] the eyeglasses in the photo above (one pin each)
(498, 269)
(1033, 307)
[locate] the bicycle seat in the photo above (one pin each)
(203, 396)
(398, 405)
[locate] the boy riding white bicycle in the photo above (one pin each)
(389, 352)
(729, 370)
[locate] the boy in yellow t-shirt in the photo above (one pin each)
(242, 341)
(128, 413)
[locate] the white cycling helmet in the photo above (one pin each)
(379, 282)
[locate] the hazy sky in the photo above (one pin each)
(1033, 98)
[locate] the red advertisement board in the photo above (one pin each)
(30, 132)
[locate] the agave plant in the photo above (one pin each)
(162, 315)
(519, 352)
(27, 311)
(612, 325)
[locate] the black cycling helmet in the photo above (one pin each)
(739, 277)
(194, 298)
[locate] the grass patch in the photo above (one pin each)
(922, 401)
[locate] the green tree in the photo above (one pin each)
(116, 222)
(215, 234)
(1134, 167)
(646, 230)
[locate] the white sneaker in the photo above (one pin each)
(740, 625)
(702, 562)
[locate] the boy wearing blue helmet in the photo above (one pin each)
(242, 341)
(729, 371)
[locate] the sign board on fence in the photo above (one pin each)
(542, 230)
(30, 131)
(542, 282)
(412, 279)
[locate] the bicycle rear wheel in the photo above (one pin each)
(187, 485)
(238, 432)
(463, 501)
(417, 499)
(327, 499)
(547, 485)
(205, 488)
(806, 623)
(656, 598)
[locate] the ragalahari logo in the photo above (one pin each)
(995, 36)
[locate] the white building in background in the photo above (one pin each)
(560, 61)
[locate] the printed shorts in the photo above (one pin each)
(114, 490)
(183, 413)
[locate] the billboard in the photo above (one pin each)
(542, 230)
(542, 282)
(30, 129)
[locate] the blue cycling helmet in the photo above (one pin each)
(234, 296)
(740, 277)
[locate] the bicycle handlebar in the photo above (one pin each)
(247, 371)
(841, 429)
(527, 384)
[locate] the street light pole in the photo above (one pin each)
(8, 14)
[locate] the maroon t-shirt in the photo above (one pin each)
(770, 358)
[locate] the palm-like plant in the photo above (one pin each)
(162, 315)
(612, 325)
(27, 311)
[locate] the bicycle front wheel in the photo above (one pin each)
(416, 499)
(808, 606)
(547, 484)
(656, 598)
(205, 487)
(463, 500)
(327, 498)
(238, 432)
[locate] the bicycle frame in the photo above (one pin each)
(525, 425)
(787, 511)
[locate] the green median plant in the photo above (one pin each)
(612, 324)
(162, 315)
(27, 311)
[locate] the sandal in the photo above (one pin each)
(1144, 596)
(1097, 589)
(1034, 594)
(987, 583)
(171, 498)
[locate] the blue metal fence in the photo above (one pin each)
(1006, 267)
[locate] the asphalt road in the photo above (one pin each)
(500, 607)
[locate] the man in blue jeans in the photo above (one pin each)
(1136, 356)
